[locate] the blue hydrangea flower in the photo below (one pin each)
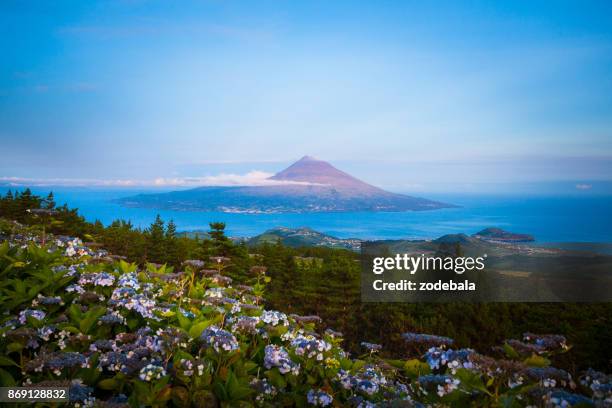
(274, 318)
(277, 356)
(442, 384)
(112, 318)
(220, 340)
(33, 313)
(310, 347)
(151, 372)
(428, 339)
(97, 279)
(129, 280)
(453, 359)
(319, 398)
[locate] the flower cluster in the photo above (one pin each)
(112, 318)
(116, 335)
(129, 280)
(245, 324)
(151, 372)
(47, 301)
(73, 247)
(274, 318)
(56, 362)
(319, 398)
(599, 383)
(441, 384)
(265, 391)
(453, 359)
(310, 347)
(548, 376)
(75, 288)
(427, 339)
(277, 356)
(80, 394)
(549, 342)
(33, 313)
(97, 279)
(126, 295)
(367, 381)
(371, 347)
(220, 340)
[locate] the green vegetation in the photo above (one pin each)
(325, 282)
(194, 309)
(303, 237)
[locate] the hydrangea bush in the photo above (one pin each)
(118, 335)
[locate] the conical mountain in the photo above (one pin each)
(311, 170)
(308, 185)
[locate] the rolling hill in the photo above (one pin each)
(303, 237)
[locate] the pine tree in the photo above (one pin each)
(156, 241)
(172, 248)
(49, 202)
(221, 244)
(25, 201)
(7, 206)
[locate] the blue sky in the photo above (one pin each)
(401, 94)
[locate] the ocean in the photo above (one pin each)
(549, 218)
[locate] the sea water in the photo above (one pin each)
(549, 218)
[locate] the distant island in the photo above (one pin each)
(308, 185)
(303, 237)
(499, 235)
(307, 237)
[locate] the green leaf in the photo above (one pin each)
(75, 312)
(250, 366)
(6, 379)
(240, 392)
(71, 329)
(276, 378)
(346, 364)
(537, 361)
(184, 322)
(198, 328)
(5, 361)
(471, 381)
(357, 365)
(396, 363)
(132, 323)
(90, 318)
(415, 368)
(220, 391)
(510, 351)
(13, 347)
(108, 384)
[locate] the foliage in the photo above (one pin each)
(125, 335)
(120, 333)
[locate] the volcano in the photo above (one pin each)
(308, 185)
(319, 172)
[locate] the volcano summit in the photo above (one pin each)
(308, 185)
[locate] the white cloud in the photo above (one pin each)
(584, 186)
(252, 178)
(42, 182)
